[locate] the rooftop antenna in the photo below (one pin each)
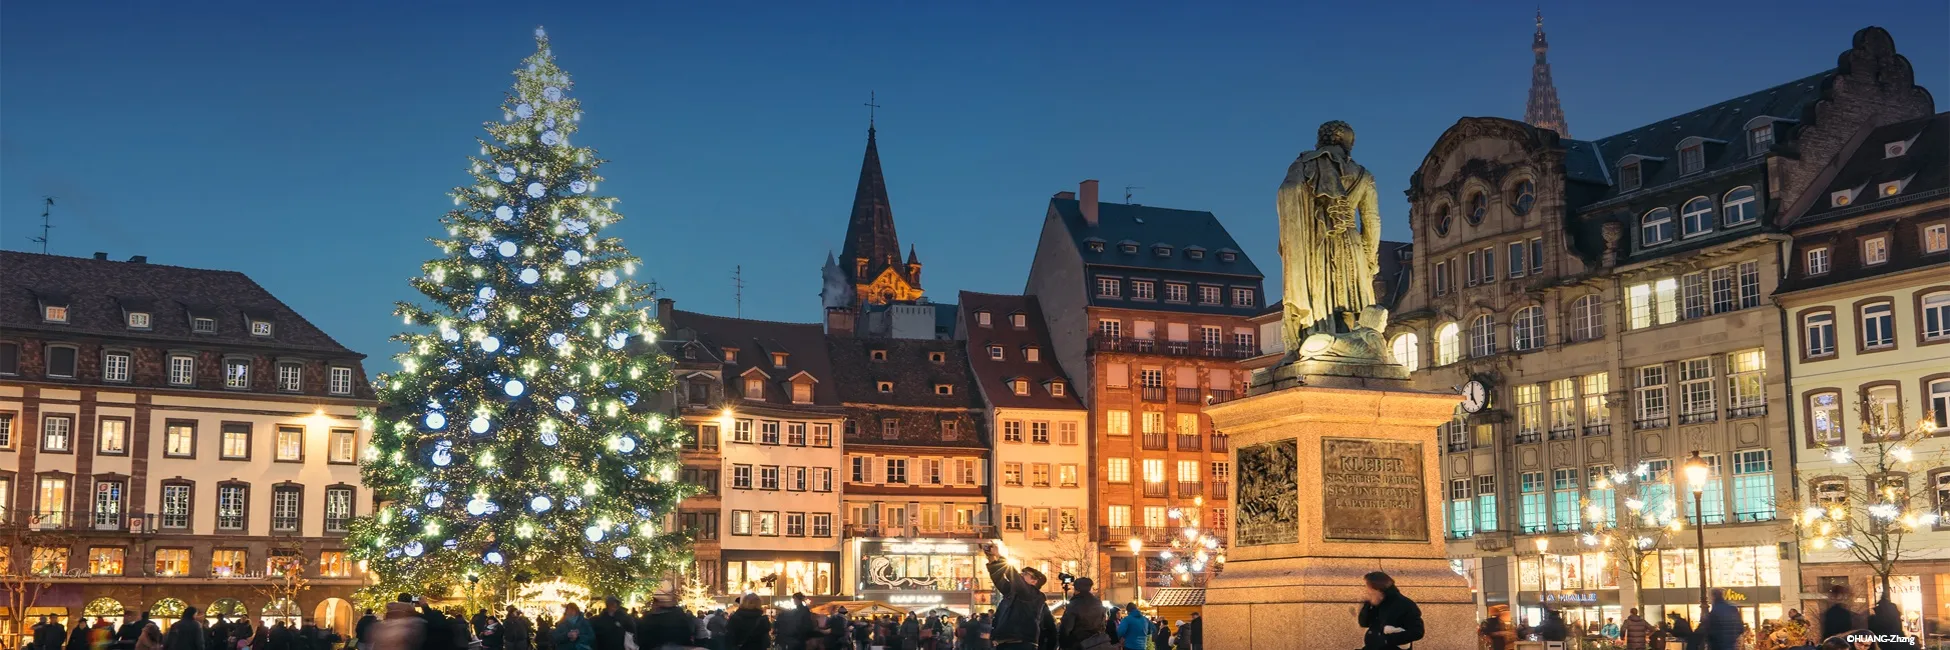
(47, 223)
(738, 288)
(1127, 191)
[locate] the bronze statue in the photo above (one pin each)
(1330, 240)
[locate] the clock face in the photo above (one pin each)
(1475, 396)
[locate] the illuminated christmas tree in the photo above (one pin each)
(511, 443)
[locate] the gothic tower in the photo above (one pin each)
(869, 270)
(1543, 110)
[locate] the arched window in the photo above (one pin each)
(1656, 227)
(1482, 336)
(1448, 344)
(1587, 318)
(1408, 351)
(1696, 216)
(1479, 206)
(1443, 220)
(1527, 329)
(1525, 196)
(1740, 206)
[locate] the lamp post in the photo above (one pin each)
(1137, 548)
(1697, 472)
(1543, 546)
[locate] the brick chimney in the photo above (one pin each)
(664, 308)
(1087, 200)
(101, 256)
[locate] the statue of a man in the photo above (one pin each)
(1330, 239)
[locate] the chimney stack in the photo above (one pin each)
(1087, 200)
(101, 256)
(664, 308)
(139, 259)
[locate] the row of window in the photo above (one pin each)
(1039, 474)
(1692, 155)
(1819, 259)
(795, 434)
(1697, 381)
(177, 497)
(929, 471)
(63, 361)
(1118, 470)
(1129, 247)
(1881, 410)
(1739, 566)
(765, 523)
(1017, 320)
(1565, 498)
(1117, 422)
(1159, 518)
(58, 313)
(949, 428)
(1036, 521)
(58, 436)
(175, 562)
(788, 478)
(1039, 432)
(1832, 491)
(1875, 325)
(1525, 257)
(1175, 292)
(1522, 197)
(1698, 216)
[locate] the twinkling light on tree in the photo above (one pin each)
(511, 445)
(1630, 541)
(1865, 512)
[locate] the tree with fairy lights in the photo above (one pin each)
(1630, 541)
(1865, 511)
(510, 444)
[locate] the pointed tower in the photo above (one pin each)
(871, 254)
(1543, 110)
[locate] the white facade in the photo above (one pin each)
(781, 486)
(1042, 478)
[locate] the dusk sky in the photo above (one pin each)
(313, 147)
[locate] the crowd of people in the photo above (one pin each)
(1840, 628)
(193, 631)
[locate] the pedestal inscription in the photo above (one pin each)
(1269, 494)
(1372, 490)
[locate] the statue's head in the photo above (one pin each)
(1335, 133)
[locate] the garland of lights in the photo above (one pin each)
(511, 443)
(1193, 548)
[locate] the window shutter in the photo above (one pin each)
(1221, 379)
(1187, 377)
(1144, 330)
(1179, 332)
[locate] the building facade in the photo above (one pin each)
(762, 394)
(917, 494)
(1148, 313)
(1610, 296)
(1867, 302)
(173, 437)
(1041, 469)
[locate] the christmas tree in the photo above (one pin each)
(515, 444)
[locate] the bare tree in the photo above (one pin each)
(1073, 553)
(34, 549)
(1631, 538)
(1868, 508)
(285, 577)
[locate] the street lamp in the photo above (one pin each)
(1543, 546)
(1137, 547)
(1697, 472)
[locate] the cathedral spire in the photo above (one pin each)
(1543, 111)
(871, 247)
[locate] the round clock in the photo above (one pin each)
(1475, 396)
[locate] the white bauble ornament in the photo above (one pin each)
(579, 309)
(618, 339)
(436, 421)
(593, 533)
(578, 186)
(508, 249)
(479, 424)
(565, 403)
(490, 344)
(414, 549)
(530, 276)
(514, 388)
(550, 137)
(540, 504)
(486, 294)
(607, 279)
(558, 339)
(622, 552)
(477, 250)
(525, 111)
(552, 94)
(505, 173)
(549, 438)
(477, 506)
(535, 190)
(435, 500)
(476, 313)
(570, 257)
(504, 213)
(492, 557)
(626, 444)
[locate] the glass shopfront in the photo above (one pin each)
(1584, 587)
(1750, 574)
(780, 574)
(919, 574)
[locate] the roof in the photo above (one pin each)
(1149, 226)
(756, 340)
(1723, 126)
(1178, 597)
(1923, 167)
(98, 291)
(907, 365)
(1391, 281)
(994, 375)
(870, 228)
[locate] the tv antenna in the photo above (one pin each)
(1127, 191)
(738, 288)
(47, 222)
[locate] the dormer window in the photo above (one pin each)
(1891, 188)
(1056, 389)
(1032, 354)
(1194, 252)
(201, 325)
(877, 355)
(1875, 250)
(1095, 246)
(995, 352)
(54, 313)
(778, 359)
(1894, 149)
(1161, 250)
(260, 328)
(1019, 321)
(754, 388)
(982, 318)
(1759, 139)
(802, 391)
(731, 355)
(944, 389)
(139, 320)
(884, 386)
(1692, 159)
(1629, 176)
(937, 357)
(1842, 198)
(1019, 386)
(1227, 256)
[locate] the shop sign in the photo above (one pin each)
(916, 599)
(1571, 597)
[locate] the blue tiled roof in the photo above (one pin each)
(1148, 226)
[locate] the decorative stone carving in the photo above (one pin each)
(1269, 493)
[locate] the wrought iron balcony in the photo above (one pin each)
(1527, 437)
(1698, 417)
(1153, 393)
(1155, 489)
(1219, 492)
(1754, 411)
(1188, 489)
(1154, 441)
(1659, 422)
(1221, 442)
(1603, 429)
(1216, 396)
(1188, 442)
(1567, 432)
(1185, 395)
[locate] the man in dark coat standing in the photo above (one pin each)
(1838, 618)
(1082, 627)
(609, 625)
(1191, 636)
(665, 625)
(1020, 611)
(1393, 621)
(186, 633)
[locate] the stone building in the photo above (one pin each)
(1610, 295)
(1867, 301)
(1148, 312)
(1041, 469)
(173, 437)
(761, 398)
(916, 480)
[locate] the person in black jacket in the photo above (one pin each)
(185, 634)
(747, 629)
(1838, 618)
(609, 626)
(1191, 636)
(1018, 625)
(1393, 621)
(665, 625)
(125, 638)
(1082, 627)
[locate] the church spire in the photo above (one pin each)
(871, 255)
(1543, 111)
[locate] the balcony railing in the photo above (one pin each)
(1154, 441)
(1221, 442)
(1178, 348)
(1117, 536)
(917, 530)
(1698, 417)
(1737, 412)
(1598, 429)
(1188, 489)
(1527, 437)
(1188, 442)
(1185, 395)
(1155, 489)
(1216, 396)
(1460, 534)
(1564, 433)
(1659, 422)
(1153, 393)
(1218, 492)
(1102, 343)
(1458, 447)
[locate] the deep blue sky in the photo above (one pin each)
(313, 147)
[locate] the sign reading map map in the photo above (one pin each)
(1372, 490)
(1269, 494)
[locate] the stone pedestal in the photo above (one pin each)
(1337, 477)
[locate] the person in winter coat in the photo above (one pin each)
(1018, 622)
(516, 632)
(573, 632)
(150, 638)
(1082, 627)
(747, 628)
(186, 633)
(544, 632)
(1160, 635)
(78, 637)
(1722, 627)
(666, 626)
(1135, 629)
(609, 626)
(363, 630)
(126, 637)
(837, 628)
(1393, 621)
(1637, 631)
(1047, 628)
(1887, 619)
(1552, 628)
(1682, 630)
(1192, 635)
(1496, 631)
